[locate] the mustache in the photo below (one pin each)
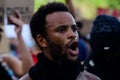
(70, 42)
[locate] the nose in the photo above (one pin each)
(72, 34)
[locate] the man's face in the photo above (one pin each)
(62, 38)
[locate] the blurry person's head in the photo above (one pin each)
(105, 36)
(1, 33)
(54, 30)
(79, 25)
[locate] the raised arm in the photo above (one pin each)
(27, 60)
(70, 7)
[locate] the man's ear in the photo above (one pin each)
(41, 41)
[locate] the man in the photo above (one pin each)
(54, 30)
(105, 44)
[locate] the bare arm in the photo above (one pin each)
(27, 61)
(13, 62)
(71, 7)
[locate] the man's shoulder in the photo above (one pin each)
(85, 75)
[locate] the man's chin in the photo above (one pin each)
(73, 54)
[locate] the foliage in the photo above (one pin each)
(38, 3)
(87, 8)
(102, 3)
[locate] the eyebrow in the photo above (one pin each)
(67, 25)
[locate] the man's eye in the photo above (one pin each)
(62, 30)
(74, 28)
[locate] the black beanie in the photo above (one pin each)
(105, 35)
(105, 23)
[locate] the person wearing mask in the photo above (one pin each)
(105, 44)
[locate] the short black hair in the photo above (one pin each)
(37, 23)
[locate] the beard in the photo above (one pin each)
(57, 51)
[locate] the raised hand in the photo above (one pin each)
(17, 21)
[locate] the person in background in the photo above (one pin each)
(4, 75)
(55, 32)
(22, 65)
(84, 47)
(70, 6)
(26, 36)
(105, 44)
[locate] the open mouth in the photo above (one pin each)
(74, 46)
